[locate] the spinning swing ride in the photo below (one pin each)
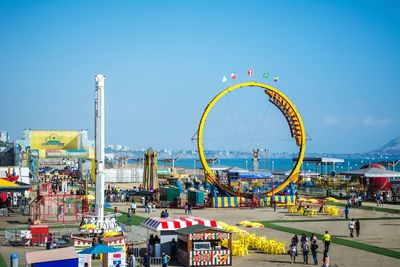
(296, 127)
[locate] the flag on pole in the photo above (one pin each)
(224, 79)
(276, 79)
(266, 75)
(250, 72)
(233, 76)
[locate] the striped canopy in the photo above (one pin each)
(166, 224)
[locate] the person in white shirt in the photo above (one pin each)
(133, 207)
(351, 227)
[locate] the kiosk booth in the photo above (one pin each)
(200, 245)
(165, 229)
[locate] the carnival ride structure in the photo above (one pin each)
(296, 126)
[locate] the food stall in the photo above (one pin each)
(200, 245)
(166, 228)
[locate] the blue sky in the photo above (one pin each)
(164, 60)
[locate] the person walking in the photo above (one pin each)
(327, 241)
(325, 261)
(295, 239)
(165, 259)
(305, 249)
(357, 226)
(314, 250)
(351, 227)
(132, 260)
(129, 215)
(49, 243)
(146, 260)
(293, 251)
(190, 207)
(133, 207)
(346, 212)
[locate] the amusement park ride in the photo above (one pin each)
(293, 118)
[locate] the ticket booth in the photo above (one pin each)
(165, 230)
(200, 245)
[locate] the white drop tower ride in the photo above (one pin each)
(100, 145)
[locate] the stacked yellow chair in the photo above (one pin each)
(242, 240)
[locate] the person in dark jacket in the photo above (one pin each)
(357, 227)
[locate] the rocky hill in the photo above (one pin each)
(391, 148)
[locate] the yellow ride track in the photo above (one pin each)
(292, 116)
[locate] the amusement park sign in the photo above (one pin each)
(76, 154)
(54, 140)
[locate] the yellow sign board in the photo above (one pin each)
(54, 140)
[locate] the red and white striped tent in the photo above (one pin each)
(170, 224)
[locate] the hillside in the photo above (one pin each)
(391, 148)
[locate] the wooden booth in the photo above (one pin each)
(165, 230)
(200, 245)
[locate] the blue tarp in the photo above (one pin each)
(255, 175)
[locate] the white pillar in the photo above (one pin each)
(100, 144)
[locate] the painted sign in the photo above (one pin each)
(76, 154)
(54, 140)
(209, 236)
(210, 257)
(116, 258)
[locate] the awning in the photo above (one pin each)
(255, 175)
(372, 172)
(166, 224)
(99, 249)
(7, 186)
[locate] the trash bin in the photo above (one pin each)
(14, 259)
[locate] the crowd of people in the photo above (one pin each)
(308, 245)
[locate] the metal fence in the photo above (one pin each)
(19, 237)
(154, 261)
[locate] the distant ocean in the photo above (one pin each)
(276, 164)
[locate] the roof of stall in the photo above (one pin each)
(197, 228)
(167, 224)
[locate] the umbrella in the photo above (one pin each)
(99, 249)
(89, 226)
(372, 172)
(331, 199)
(7, 186)
(107, 205)
(112, 233)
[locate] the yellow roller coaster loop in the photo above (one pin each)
(292, 116)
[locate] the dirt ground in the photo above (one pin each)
(382, 233)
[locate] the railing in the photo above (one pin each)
(154, 261)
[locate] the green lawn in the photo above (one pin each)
(332, 220)
(387, 210)
(136, 220)
(2, 261)
(337, 240)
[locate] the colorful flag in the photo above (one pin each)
(250, 72)
(224, 79)
(266, 75)
(276, 79)
(233, 76)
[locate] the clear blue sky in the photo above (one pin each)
(339, 62)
